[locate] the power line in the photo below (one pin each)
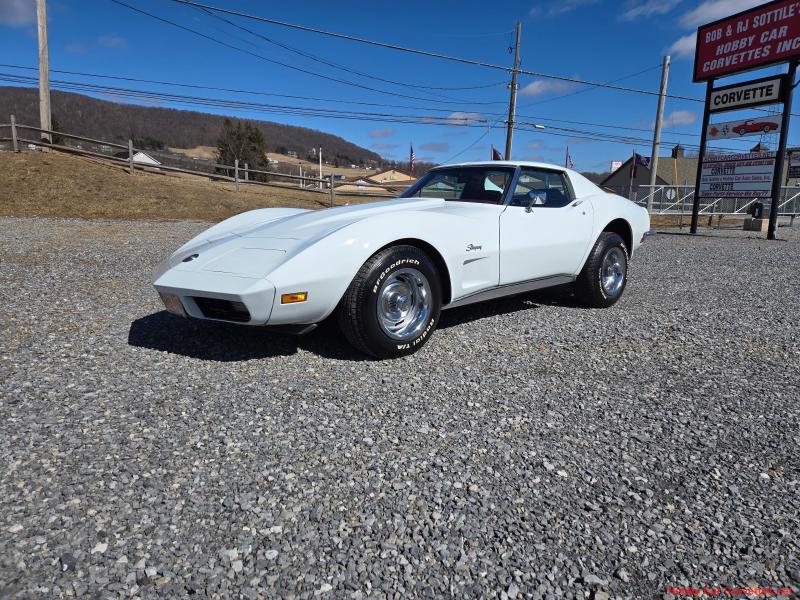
(318, 99)
(283, 64)
(425, 52)
(327, 113)
(610, 86)
(589, 89)
(347, 69)
(313, 112)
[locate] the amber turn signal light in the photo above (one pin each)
(294, 297)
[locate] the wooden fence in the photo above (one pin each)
(241, 174)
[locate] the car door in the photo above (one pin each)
(547, 238)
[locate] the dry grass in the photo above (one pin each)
(55, 184)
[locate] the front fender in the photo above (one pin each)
(326, 268)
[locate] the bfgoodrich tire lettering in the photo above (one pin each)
(393, 303)
(605, 274)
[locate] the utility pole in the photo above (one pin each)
(44, 71)
(320, 167)
(512, 104)
(657, 133)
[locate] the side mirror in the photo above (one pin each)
(535, 198)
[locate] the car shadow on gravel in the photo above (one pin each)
(222, 342)
(556, 296)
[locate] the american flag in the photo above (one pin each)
(494, 154)
(639, 161)
(568, 162)
(411, 159)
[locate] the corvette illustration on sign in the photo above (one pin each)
(755, 127)
(461, 234)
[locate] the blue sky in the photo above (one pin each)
(596, 40)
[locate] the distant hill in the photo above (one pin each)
(115, 122)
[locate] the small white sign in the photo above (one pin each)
(735, 129)
(615, 164)
(737, 175)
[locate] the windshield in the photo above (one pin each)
(463, 184)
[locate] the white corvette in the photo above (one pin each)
(461, 234)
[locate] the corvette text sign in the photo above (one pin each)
(769, 90)
(761, 36)
(737, 175)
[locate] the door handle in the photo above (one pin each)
(577, 203)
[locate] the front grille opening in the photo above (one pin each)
(224, 310)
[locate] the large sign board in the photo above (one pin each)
(758, 92)
(735, 129)
(764, 35)
(737, 175)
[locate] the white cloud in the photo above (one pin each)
(112, 41)
(683, 47)
(377, 134)
(648, 8)
(680, 117)
(17, 12)
(75, 48)
(462, 118)
(565, 6)
(556, 7)
(435, 147)
(711, 10)
(546, 86)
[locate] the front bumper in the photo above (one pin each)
(217, 296)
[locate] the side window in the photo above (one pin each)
(547, 187)
(442, 185)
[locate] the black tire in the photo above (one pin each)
(589, 287)
(358, 311)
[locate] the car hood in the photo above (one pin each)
(310, 224)
(253, 244)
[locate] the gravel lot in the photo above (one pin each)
(532, 449)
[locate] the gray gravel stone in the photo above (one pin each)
(533, 448)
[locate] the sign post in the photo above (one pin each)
(703, 139)
(779, 160)
(765, 35)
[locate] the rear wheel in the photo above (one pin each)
(605, 274)
(393, 303)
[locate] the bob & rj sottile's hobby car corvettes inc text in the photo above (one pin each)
(462, 233)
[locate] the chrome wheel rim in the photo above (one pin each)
(404, 304)
(612, 272)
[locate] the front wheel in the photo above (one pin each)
(393, 303)
(605, 274)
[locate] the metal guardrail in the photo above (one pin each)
(678, 199)
(236, 173)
